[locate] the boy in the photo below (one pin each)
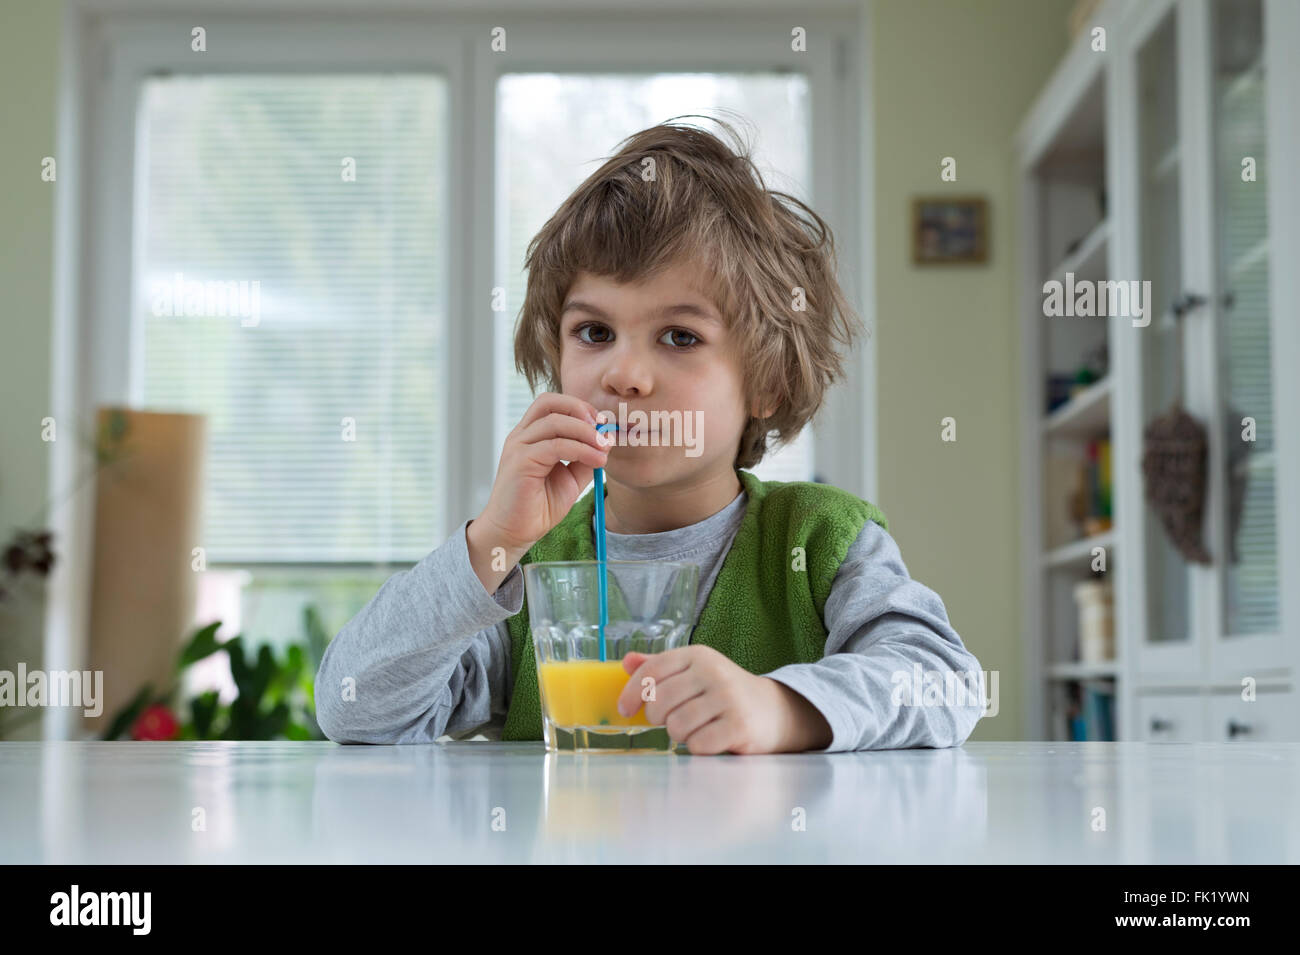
(690, 293)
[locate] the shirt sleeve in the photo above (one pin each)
(887, 636)
(428, 655)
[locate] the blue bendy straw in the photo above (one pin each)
(600, 540)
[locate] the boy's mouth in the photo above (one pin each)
(635, 429)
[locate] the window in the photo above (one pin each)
(352, 419)
(291, 287)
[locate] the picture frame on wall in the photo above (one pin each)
(950, 230)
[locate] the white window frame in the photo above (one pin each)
(110, 46)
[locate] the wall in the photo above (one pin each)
(29, 65)
(954, 78)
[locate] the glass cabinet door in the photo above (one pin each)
(1251, 276)
(1247, 522)
(1168, 622)
(1204, 244)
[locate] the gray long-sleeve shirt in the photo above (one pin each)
(429, 655)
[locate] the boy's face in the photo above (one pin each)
(659, 346)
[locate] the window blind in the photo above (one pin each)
(1245, 354)
(318, 203)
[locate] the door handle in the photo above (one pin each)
(1186, 303)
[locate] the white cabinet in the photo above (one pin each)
(1158, 200)
(1264, 719)
(1218, 715)
(1170, 718)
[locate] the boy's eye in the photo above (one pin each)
(681, 331)
(676, 344)
(582, 328)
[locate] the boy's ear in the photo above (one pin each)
(759, 412)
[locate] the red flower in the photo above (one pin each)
(156, 722)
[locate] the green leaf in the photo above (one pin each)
(202, 644)
(318, 637)
(287, 676)
(272, 725)
(307, 683)
(238, 665)
(108, 444)
(270, 702)
(203, 708)
(116, 424)
(313, 728)
(239, 724)
(263, 674)
(128, 714)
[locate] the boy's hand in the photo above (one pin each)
(533, 489)
(714, 705)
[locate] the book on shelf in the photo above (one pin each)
(1097, 478)
(1090, 716)
(1092, 503)
(1098, 713)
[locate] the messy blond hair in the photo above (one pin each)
(707, 207)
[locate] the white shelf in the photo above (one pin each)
(1083, 671)
(1084, 415)
(1089, 259)
(1080, 551)
(1065, 151)
(1250, 77)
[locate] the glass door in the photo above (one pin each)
(1211, 589)
(1166, 639)
(1246, 518)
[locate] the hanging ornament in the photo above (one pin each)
(1174, 456)
(1173, 472)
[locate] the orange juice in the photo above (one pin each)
(585, 693)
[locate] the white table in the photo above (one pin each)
(127, 802)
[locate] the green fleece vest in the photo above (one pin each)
(765, 608)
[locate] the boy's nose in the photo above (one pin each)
(626, 381)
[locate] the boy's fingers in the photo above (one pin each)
(549, 452)
(559, 425)
(629, 701)
(657, 666)
(582, 473)
(549, 402)
(673, 661)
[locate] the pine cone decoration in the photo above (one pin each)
(1173, 471)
